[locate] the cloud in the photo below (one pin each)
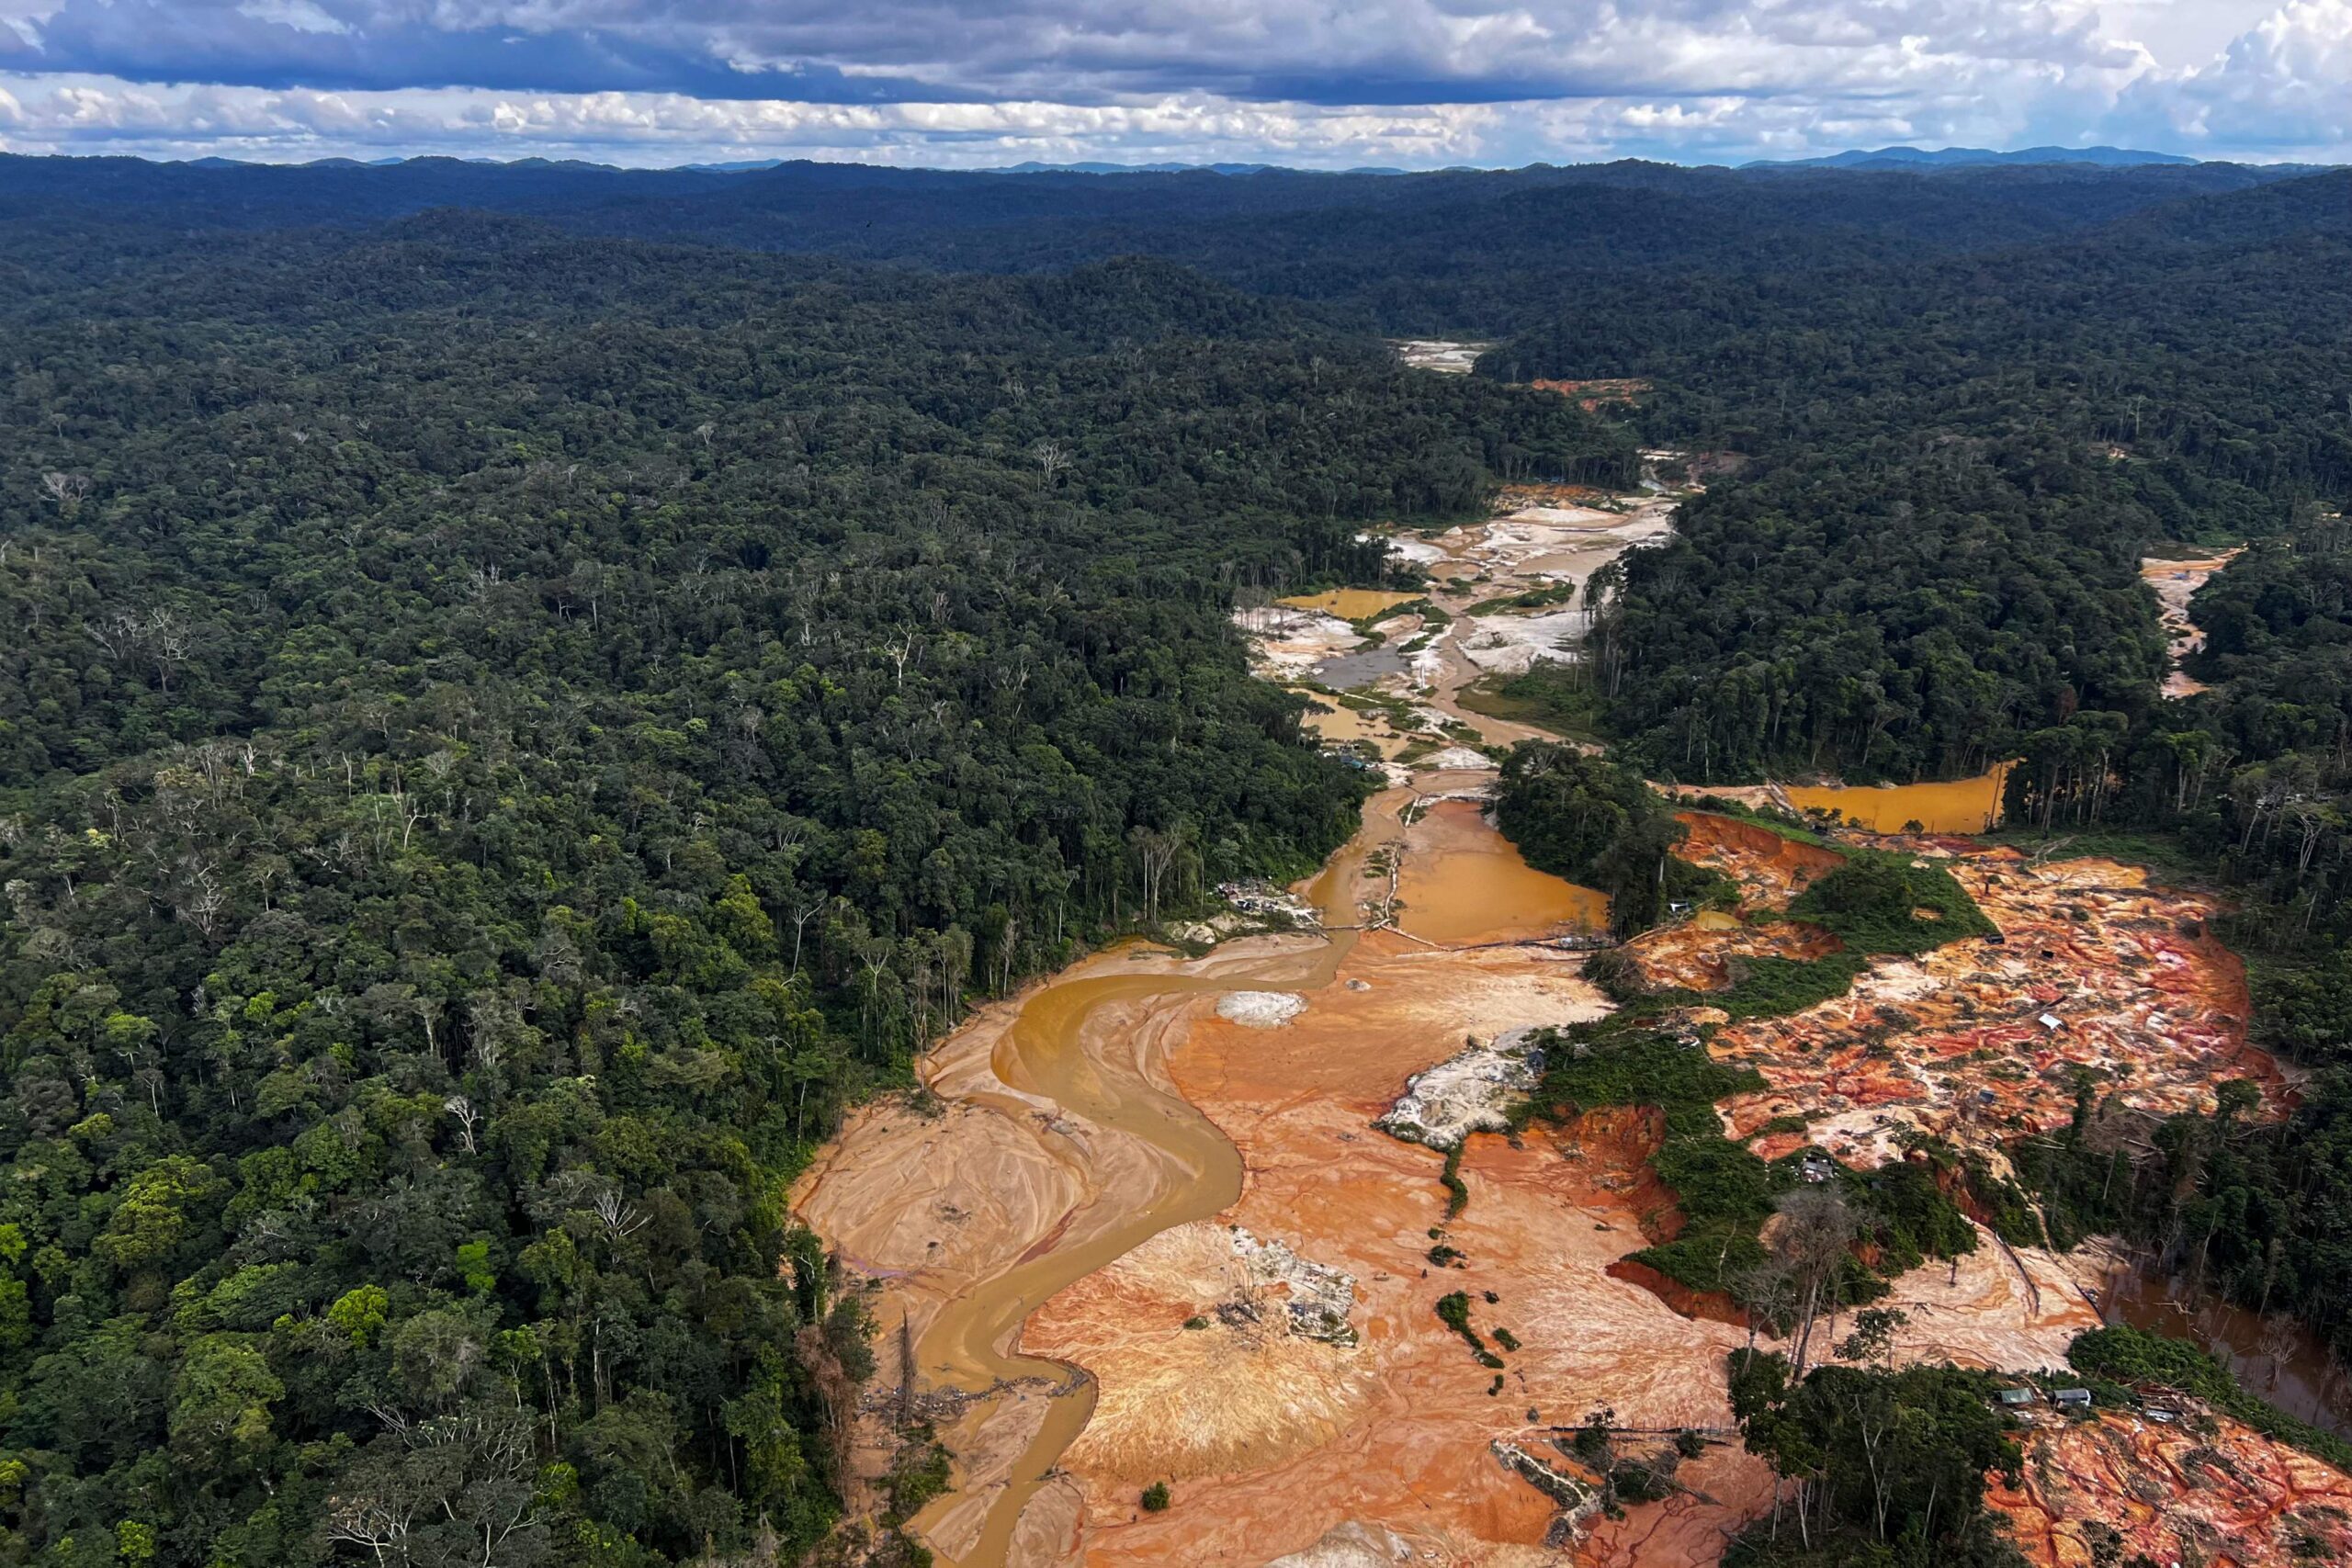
(2282, 87)
(1298, 81)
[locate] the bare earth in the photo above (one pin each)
(1145, 1230)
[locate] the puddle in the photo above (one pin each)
(1959, 806)
(1348, 604)
(1463, 882)
(1340, 725)
(1348, 671)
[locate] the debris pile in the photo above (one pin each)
(1567, 1482)
(1470, 1091)
(1317, 1298)
(1260, 1010)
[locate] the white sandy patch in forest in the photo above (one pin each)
(1511, 645)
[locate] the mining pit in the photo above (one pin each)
(1186, 1219)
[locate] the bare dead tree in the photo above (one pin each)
(458, 1106)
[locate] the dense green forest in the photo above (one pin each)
(1931, 563)
(502, 737)
(1461, 251)
(513, 719)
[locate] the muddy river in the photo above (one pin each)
(1080, 1057)
(1044, 1054)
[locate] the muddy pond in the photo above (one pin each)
(2270, 1355)
(1959, 805)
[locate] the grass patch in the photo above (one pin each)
(2121, 1356)
(1430, 614)
(1547, 598)
(1548, 696)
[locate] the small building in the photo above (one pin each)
(2161, 1416)
(2052, 1022)
(2014, 1397)
(2073, 1398)
(1817, 1167)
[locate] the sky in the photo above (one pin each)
(1317, 84)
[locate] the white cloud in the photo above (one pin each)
(2283, 88)
(947, 81)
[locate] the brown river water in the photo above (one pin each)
(2271, 1355)
(1463, 884)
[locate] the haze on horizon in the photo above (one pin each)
(1413, 83)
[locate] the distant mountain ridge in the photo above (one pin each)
(1970, 157)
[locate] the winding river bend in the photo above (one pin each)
(1044, 1054)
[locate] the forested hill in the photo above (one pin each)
(1955, 464)
(501, 737)
(1477, 253)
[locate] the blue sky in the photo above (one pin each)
(1314, 83)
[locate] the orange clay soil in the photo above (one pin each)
(1770, 868)
(1697, 955)
(1268, 1440)
(2225, 1496)
(2141, 995)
